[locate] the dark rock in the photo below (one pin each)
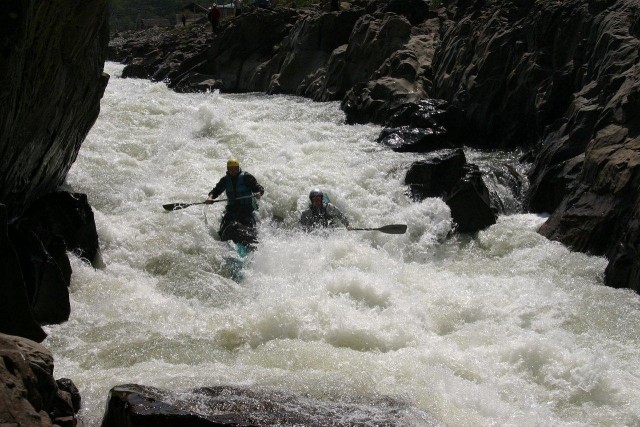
(624, 269)
(135, 71)
(195, 82)
(29, 394)
(16, 315)
(66, 385)
(373, 41)
(437, 175)
(66, 216)
(496, 64)
(47, 290)
(448, 175)
(134, 405)
(416, 140)
(371, 102)
(52, 59)
(300, 66)
(416, 11)
(552, 186)
(423, 126)
(39, 241)
(470, 203)
(427, 113)
(597, 210)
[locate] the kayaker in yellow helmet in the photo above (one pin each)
(242, 190)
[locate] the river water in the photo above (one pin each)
(505, 328)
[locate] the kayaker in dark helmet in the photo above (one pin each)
(321, 213)
(242, 190)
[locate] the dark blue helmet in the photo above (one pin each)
(315, 193)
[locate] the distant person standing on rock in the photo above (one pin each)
(184, 20)
(237, 4)
(214, 17)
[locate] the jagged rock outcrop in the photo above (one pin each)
(423, 126)
(52, 59)
(29, 394)
(300, 52)
(36, 264)
(565, 77)
(447, 174)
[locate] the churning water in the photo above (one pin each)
(506, 328)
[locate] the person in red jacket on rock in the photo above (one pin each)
(214, 17)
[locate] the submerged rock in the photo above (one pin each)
(133, 405)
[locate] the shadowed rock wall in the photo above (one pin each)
(51, 59)
(565, 78)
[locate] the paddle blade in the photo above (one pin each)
(393, 229)
(176, 206)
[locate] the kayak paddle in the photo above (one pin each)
(389, 229)
(178, 206)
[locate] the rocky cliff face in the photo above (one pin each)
(53, 54)
(563, 77)
(51, 71)
(51, 59)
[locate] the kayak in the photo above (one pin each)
(235, 262)
(243, 236)
(243, 239)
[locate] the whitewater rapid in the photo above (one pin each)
(505, 328)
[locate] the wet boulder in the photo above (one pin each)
(436, 175)
(423, 126)
(133, 405)
(16, 314)
(66, 216)
(30, 395)
(195, 82)
(135, 71)
(624, 269)
(36, 264)
(470, 203)
(43, 279)
(448, 175)
(414, 139)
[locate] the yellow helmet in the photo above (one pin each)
(232, 163)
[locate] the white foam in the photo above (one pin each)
(506, 328)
